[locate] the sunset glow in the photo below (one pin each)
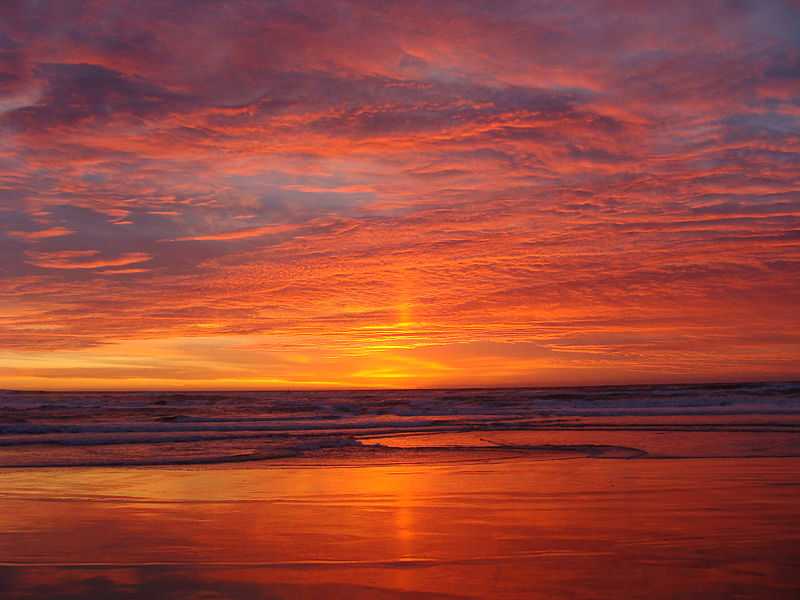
(353, 194)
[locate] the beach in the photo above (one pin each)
(583, 528)
(352, 194)
(642, 506)
(403, 299)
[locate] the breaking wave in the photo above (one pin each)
(389, 427)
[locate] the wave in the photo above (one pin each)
(337, 453)
(116, 429)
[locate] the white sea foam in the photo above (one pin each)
(66, 429)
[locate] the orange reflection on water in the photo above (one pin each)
(507, 529)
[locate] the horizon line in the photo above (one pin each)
(388, 389)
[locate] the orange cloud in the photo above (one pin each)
(83, 259)
(240, 234)
(420, 194)
(41, 234)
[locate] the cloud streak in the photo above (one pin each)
(83, 259)
(41, 234)
(239, 234)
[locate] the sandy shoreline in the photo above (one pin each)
(582, 528)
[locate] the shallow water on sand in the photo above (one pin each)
(593, 493)
(134, 429)
(582, 528)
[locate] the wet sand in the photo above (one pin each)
(504, 528)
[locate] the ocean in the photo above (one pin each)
(635, 492)
(61, 429)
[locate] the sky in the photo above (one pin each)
(405, 193)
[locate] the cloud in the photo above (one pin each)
(241, 234)
(83, 259)
(91, 95)
(363, 186)
(41, 234)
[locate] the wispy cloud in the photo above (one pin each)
(41, 234)
(240, 234)
(83, 259)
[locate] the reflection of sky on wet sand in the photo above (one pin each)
(514, 529)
